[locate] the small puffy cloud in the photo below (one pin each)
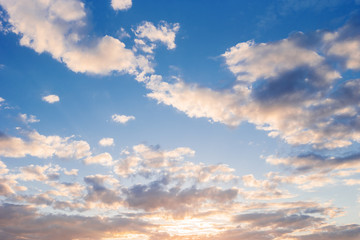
(104, 159)
(164, 32)
(51, 98)
(28, 119)
(105, 142)
(121, 4)
(122, 118)
(2, 102)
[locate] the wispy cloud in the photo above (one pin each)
(28, 119)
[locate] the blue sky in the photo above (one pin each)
(126, 119)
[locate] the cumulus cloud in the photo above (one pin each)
(159, 191)
(57, 27)
(107, 56)
(37, 145)
(122, 118)
(164, 32)
(105, 142)
(39, 173)
(121, 4)
(102, 189)
(51, 98)
(2, 100)
(102, 159)
(289, 88)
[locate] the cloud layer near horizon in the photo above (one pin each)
(150, 192)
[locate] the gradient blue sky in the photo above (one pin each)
(126, 119)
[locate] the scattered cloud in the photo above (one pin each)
(156, 191)
(51, 98)
(121, 4)
(28, 119)
(122, 118)
(104, 159)
(37, 145)
(105, 142)
(164, 32)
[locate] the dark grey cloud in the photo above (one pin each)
(24, 222)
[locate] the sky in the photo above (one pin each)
(169, 119)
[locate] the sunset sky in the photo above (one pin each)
(180, 119)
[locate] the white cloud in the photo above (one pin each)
(57, 27)
(122, 118)
(121, 4)
(41, 146)
(106, 142)
(2, 99)
(107, 56)
(38, 173)
(164, 32)
(28, 119)
(288, 88)
(196, 101)
(51, 98)
(45, 25)
(250, 61)
(104, 159)
(72, 172)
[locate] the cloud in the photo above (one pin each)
(51, 98)
(195, 101)
(72, 172)
(122, 118)
(32, 225)
(28, 119)
(164, 33)
(99, 192)
(121, 4)
(41, 146)
(163, 193)
(2, 100)
(57, 27)
(155, 197)
(347, 232)
(344, 44)
(107, 56)
(105, 142)
(39, 173)
(104, 159)
(289, 88)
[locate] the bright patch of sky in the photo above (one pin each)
(180, 119)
